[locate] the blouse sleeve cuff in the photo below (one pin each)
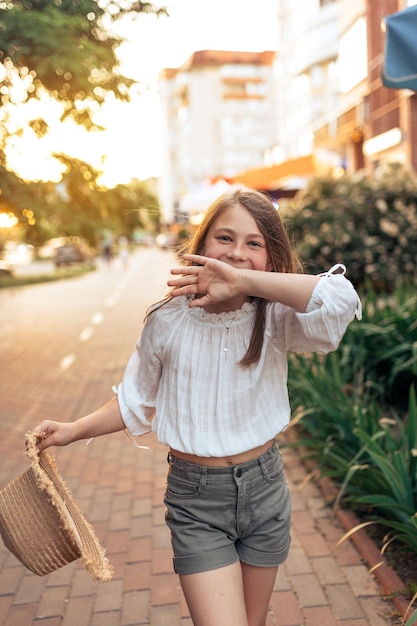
(134, 426)
(322, 287)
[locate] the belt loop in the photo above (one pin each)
(203, 476)
(263, 459)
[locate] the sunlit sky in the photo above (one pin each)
(132, 145)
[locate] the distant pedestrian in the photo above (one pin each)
(209, 376)
(107, 251)
(124, 250)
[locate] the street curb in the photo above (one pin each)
(389, 580)
(391, 584)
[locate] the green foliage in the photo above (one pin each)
(383, 476)
(367, 223)
(65, 50)
(76, 206)
(355, 413)
(412, 620)
(386, 343)
(328, 407)
(62, 51)
(66, 47)
(18, 196)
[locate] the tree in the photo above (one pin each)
(60, 51)
(77, 206)
(65, 48)
(21, 201)
(82, 207)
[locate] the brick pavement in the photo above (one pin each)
(120, 489)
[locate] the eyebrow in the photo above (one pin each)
(230, 230)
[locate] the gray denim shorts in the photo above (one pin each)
(218, 516)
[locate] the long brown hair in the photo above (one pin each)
(281, 253)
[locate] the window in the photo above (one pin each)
(353, 58)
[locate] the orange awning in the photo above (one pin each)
(277, 176)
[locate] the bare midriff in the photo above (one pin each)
(223, 461)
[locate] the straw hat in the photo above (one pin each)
(42, 525)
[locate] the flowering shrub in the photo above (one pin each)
(367, 223)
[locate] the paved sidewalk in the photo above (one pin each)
(120, 489)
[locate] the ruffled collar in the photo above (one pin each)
(225, 317)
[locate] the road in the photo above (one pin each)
(77, 332)
(64, 344)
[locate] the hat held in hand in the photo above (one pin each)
(42, 525)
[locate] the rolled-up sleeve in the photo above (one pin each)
(333, 305)
(136, 394)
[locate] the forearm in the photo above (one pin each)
(213, 281)
(293, 290)
(107, 419)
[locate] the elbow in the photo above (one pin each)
(330, 340)
(327, 346)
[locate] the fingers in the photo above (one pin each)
(46, 429)
(41, 445)
(42, 427)
(187, 270)
(35, 442)
(185, 291)
(195, 258)
(187, 283)
(184, 286)
(197, 262)
(184, 280)
(203, 301)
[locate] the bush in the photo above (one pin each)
(367, 223)
(385, 342)
(356, 415)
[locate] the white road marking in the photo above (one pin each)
(111, 301)
(86, 333)
(67, 361)
(97, 318)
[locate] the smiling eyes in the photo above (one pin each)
(251, 243)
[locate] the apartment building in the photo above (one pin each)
(372, 124)
(307, 82)
(272, 121)
(219, 113)
(307, 86)
(331, 102)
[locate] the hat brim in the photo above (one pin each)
(41, 523)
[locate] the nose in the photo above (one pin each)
(237, 251)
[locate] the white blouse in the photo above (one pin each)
(184, 383)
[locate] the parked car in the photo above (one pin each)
(5, 269)
(73, 252)
(167, 240)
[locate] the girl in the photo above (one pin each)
(209, 376)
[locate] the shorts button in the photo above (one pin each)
(239, 472)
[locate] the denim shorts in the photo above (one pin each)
(218, 516)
